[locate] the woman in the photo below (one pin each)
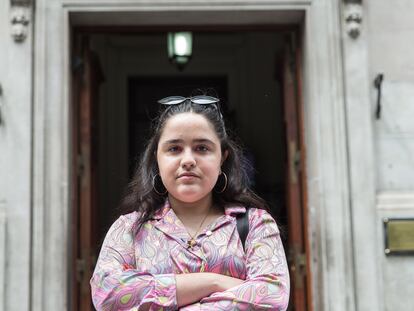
(177, 247)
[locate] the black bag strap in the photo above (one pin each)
(243, 226)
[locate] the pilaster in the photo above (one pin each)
(360, 143)
(15, 157)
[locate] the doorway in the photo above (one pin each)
(257, 77)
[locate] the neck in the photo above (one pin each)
(192, 209)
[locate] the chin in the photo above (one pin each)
(189, 197)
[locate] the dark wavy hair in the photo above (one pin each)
(140, 195)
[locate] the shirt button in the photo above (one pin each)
(208, 233)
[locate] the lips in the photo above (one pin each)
(187, 175)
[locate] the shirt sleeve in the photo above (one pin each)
(267, 282)
(116, 283)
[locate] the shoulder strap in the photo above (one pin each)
(243, 226)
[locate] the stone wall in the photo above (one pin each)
(391, 49)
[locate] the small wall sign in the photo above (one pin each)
(399, 236)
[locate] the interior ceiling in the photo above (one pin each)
(187, 18)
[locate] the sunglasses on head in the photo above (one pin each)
(199, 100)
(203, 100)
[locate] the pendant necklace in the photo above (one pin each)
(192, 242)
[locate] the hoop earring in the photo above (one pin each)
(155, 188)
(225, 183)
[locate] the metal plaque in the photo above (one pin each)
(399, 236)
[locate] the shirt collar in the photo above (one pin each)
(161, 212)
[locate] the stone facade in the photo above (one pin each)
(359, 168)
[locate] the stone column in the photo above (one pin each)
(15, 155)
(360, 139)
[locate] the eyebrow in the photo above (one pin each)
(178, 141)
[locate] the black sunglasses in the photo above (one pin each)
(198, 99)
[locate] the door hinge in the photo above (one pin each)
(81, 164)
(294, 161)
(298, 268)
(80, 269)
(301, 261)
(297, 160)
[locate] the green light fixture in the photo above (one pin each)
(180, 48)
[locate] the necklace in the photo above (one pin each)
(192, 242)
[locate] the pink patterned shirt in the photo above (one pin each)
(138, 268)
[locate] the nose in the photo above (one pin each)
(188, 160)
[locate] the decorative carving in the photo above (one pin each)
(353, 17)
(20, 18)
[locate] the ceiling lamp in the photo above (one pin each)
(180, 48)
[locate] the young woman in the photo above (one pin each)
(178, 247)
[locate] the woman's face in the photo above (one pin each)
(189, 157)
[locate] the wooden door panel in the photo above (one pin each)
(295, 186)
(88, 79)
(299, 72)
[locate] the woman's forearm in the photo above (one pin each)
(192, 287)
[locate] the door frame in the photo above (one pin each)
(328, 181)
(118, 82)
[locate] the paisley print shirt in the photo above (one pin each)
(138, 267)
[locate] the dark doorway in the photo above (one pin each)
(255, 80)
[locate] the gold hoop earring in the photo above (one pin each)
(155, 188)
(225, 183)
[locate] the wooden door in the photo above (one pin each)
(85, 217)
(295, 177)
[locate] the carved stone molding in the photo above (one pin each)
(353, 17)
(21, 2)
(20, 18)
